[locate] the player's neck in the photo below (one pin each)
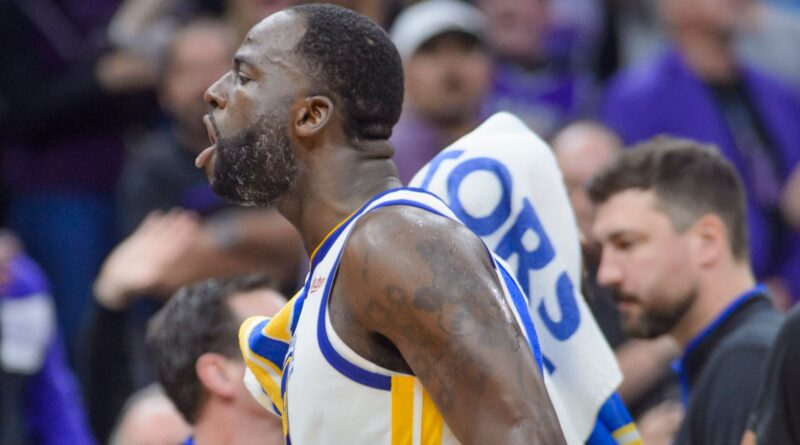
(337, 185)
(230, 425)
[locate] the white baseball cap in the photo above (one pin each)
(425, 20)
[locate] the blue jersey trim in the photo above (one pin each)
(331, 239)
(521, 304)
(298, 309)
(380, 381)
(346, 368)
(679, 365)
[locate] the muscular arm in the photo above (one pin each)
(427, 285)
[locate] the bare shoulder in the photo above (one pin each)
(423, 288)
(399, 234)
(414, 276)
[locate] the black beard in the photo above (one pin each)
(654, 323)
(256, 166)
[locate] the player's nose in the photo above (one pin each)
(215, 94)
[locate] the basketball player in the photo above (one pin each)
(407, 329)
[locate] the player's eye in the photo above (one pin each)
(242, 78)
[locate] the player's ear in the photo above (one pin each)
(214, 376)
(312, 116)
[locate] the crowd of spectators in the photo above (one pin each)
(105, 217)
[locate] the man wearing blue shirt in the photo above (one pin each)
(671, 220)
(698, 88)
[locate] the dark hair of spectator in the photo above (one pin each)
(195, 321)
(356, 63)
(689, 180)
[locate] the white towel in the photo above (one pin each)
(502, 180)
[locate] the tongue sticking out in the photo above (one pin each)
(204, 157)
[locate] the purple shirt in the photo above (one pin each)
(544, 99)
(53, 410)
(416, 141)
(664, 96)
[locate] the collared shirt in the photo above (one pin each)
(665, 96)
(721, 369)
(776, 415)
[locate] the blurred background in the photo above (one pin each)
(104, 215)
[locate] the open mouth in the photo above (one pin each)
(203, 159)
(212, 133)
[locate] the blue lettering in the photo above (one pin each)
(537, 259)
(436, 163)
(488, 224)
(512, 244)
(570, 315)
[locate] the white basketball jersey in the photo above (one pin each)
(326, 393)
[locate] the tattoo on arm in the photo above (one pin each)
(455, 297)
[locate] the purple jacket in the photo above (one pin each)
(666, 97)
(52, 408)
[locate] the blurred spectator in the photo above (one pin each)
(167, 251)
(150, 418)
(776, 414)
(195, 349)
(244, 14)
(69, 99)
(791, 198)
(172, 249)
(583, 149)
(671, 219)
(766, 40)
(529, 80)
(40, 398)
(576, 27)
(382, 12)
(634, 34)
(141, 264)
(446, 79)
(698, 89)
(159, 172)
(148, 26)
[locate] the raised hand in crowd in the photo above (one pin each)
(143, 263)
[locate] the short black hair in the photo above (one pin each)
(355, 61)
(689, 180)
(195, 321)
